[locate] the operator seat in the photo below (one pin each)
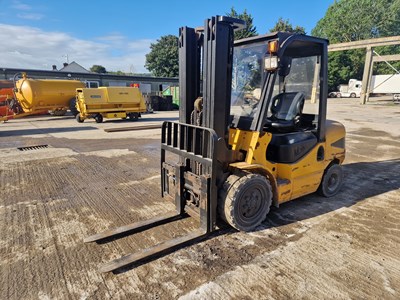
(286, 110)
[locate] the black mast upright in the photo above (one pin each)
(189, 72)
(217, 72)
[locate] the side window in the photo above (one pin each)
(304, 78)
(92, 84)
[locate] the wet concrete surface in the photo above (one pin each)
(87, 180)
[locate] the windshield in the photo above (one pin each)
(246, 79)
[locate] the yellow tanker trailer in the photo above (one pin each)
(35, 95)
(109, 102)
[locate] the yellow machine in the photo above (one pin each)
(252, 132)
(109, 102)
(35, 95)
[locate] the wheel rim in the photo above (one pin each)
(251, 204)
(333, 182)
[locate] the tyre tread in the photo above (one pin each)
(228, 194)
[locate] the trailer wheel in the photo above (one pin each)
(72, 107)
(332, 181)
(134, 116)
(244, 202)
(98, 118)
(79, 119)
(58, 112)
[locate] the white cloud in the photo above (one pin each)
(33, 48)
(21, 6)
(30, 16)
(25, 11)
(113, 37)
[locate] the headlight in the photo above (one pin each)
(271, 63)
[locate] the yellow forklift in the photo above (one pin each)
(252, 132)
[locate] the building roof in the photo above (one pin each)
(74, 67)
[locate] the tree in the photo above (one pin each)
(285, 25)
(98, 69)
(163, 58)
(353, 20)
(250, 29)
(119, 72)
(343, 65)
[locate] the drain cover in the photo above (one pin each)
(32, 147)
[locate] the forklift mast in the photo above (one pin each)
(201, 146)
(215, 42)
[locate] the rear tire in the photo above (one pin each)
(98, 118)
(338, 95)
(244, 202)
(332, 181)
(352, 95)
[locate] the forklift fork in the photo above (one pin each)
(195, 146)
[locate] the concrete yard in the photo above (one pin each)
(88, 180)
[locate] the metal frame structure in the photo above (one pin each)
(369, 58)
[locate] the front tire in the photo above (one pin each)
(332, 181)
(244, 202)
(79, 119)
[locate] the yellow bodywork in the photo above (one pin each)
(288, 180)
(45, 94)
(110, 102)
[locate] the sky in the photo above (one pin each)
(117, 34)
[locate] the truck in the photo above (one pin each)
(32, 96)
(109, 102)
(239, 149)
(350, 90)
(386, 84)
